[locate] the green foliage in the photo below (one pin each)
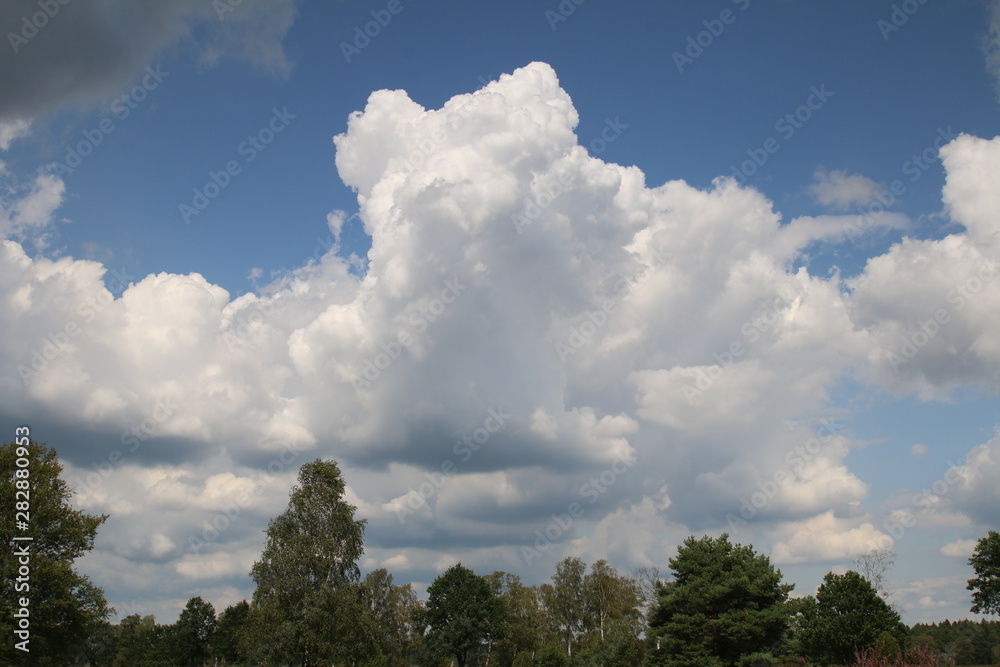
(141, 642)
(63, 606)
(525, 624)
(791, 645)
(612, 619)
(887, 645)
(392, 609)
(564, 601)
(581, 606)
(964, 651)
(848, 615)
(762, 659)
(344, 629)
(968, 642)
(553, 655)
(307, 576)
(193, 632)
(985, 587)
(725, 602)
(610, 598)
(228, 638)
(523, 659)
(462, 611)
(101, 644)
(618, 646)
(924, 640)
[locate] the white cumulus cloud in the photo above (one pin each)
(531, 317)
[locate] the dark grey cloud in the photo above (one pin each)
(60, 52)
(85, 446)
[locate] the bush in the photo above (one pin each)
(758, 660)
(796, 662)
(919, 656)
(887, 646)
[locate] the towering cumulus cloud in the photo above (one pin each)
(543, 354)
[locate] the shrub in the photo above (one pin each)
(918, 656)
(758, 660)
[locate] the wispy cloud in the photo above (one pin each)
(840, 190)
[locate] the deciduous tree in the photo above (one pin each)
(62, 604)
(985, 587)
(848, 615)
(564, 601)
(307, 575)
(462, 612)
(646, 579)
(228, 638)
(140, 641)
(194, 631)
(392, 609)
(609, 596)
(873, 565)
(525, 626)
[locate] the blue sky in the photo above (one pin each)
(693, 125)
(837, 109)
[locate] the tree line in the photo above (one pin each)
(720, 604)
(968, 642)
